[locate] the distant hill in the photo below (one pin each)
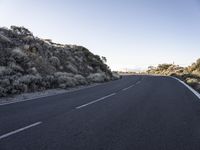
(28, 63)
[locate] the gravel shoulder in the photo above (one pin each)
(45, 93)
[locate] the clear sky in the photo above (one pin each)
(130, 33)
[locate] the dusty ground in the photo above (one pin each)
(35, 95)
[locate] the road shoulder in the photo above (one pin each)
(42, 94)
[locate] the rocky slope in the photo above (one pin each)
(28, 63)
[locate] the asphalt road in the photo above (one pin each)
(134, 113)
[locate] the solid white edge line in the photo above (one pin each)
(189, 87)
(19, 130)
(92, 102)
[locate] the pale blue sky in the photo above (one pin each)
(130, 33)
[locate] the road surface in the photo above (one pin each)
(133, 113)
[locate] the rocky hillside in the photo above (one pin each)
(28, 63)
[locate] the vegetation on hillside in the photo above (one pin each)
(28, 63)
(190, 74)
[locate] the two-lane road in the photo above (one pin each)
(134, 113)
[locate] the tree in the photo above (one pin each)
(162, 67)
(104, 59)
(151, 68)
(21, 30)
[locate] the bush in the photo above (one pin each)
(4, 71)
(97, 77)
(80, 79)
(116, 76)
(72, 68)
(54, 61)
(19, 56)
(65, 79)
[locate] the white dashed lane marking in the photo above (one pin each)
(19, 130)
